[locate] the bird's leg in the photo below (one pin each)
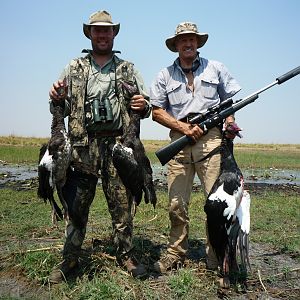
(54, 217)
(225, 264)
(64, 204)
(133, 207)
(224, 281)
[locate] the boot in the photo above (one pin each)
(167, 263)
(133, 266)
(212, 262)
(60, 272)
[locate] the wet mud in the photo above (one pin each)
(274, 275)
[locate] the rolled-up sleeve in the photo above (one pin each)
(158, 94)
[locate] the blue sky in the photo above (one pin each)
(257, 41)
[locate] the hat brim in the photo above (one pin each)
(86, 27)
(201, 40)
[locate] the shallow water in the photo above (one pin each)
(269, 176)
(16, 173)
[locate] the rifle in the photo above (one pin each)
(214, 116)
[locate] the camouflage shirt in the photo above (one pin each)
(87, 82)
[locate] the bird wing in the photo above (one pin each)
(56, 160)
(131, 140)
(220, 207)
(146, 170)
(46, 185)
(243, 218)
(61, 159)
(128, 170)
(228, 188)
(243, 212)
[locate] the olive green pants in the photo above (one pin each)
(181, 174)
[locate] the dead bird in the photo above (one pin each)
(228, 216)
(54, 161)
(130, 159)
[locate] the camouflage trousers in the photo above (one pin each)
(181, 173)
(79, 192)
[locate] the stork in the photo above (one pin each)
(228, 216)
(54, 161)
(131, 161)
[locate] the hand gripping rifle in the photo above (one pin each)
(214, 116)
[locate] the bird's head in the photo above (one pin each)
(232, 130)
(129, 89)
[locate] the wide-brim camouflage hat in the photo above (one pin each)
(100, 18)
(184, 28)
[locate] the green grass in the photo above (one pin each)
(19, 154)
(31, 246)
(30, 243)
(280, 159)
(275, 219)
(21, 150)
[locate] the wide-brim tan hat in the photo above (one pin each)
(184, 28)
(100, 18)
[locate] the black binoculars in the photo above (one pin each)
(102, 110)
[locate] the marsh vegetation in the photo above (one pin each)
(30, 245)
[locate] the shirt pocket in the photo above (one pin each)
(209, 87)
(174, 93)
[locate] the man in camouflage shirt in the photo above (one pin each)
(97, 107)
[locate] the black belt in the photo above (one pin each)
(188, 118)
(105, 133)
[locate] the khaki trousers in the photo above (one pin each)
(181, 173)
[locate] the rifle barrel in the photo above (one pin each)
(261, 90)
(168, 152)
(288, 75)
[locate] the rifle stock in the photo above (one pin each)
(167, 152)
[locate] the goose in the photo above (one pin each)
(54, 160)
(228, 216)
(130, 159)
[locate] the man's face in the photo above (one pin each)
(102, 38)
(186, 45)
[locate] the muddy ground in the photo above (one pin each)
(275, 275)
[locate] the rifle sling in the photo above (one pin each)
(210, 154)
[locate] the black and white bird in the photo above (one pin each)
(130, 159)
(54, 161)
(228, 216)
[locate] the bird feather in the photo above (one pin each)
(228, 213)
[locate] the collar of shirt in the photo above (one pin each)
(107, 68)
(195, 65)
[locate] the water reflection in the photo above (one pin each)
(269, 176)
